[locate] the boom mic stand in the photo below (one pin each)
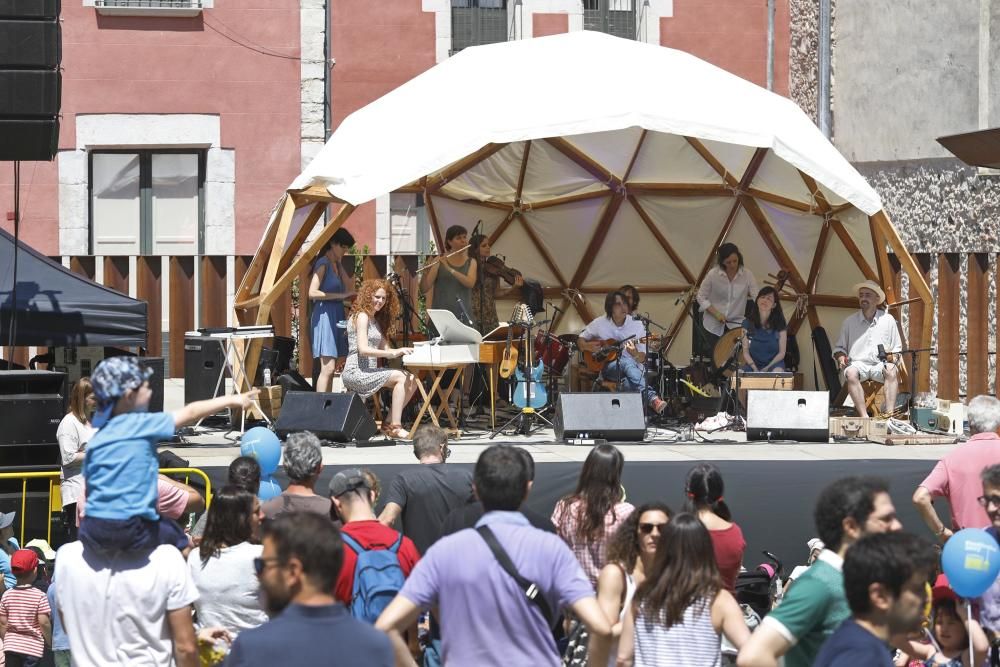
(408, 310)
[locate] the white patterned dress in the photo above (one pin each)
(362, 374)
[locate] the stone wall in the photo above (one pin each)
(803, 54)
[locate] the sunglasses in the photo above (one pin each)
(647, 528)
(986, 500)
(260, 564)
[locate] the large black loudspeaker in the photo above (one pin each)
(336, 417)
(30, 81)
(608, 416)
(32, 403)
(204, 359)
(803, 416)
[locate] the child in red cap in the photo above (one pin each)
(25, 616)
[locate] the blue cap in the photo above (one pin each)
(111, 379)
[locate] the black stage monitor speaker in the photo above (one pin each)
(803, 416)
(30, 81)
(204, 359)
(617, 417)
(336, 417)
(32, 403)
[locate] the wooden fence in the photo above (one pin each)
(966, 309)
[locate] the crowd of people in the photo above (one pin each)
(445, 565)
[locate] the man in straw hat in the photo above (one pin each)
(857, 348)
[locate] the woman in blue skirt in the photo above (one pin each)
(329, 285)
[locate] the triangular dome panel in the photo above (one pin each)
(612, 150)
(449, 212)
(551, 174)
(566, 230)
(778, 177)
(687, 223)
(756, 255)
(797, 232)
(493, 179)
(735, 158)
(669, 158)
(632, 255)
(521, 253)
(838, 272)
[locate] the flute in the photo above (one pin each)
(430, 264)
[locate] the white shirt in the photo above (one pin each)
(73, 437)
(115, 611)
(228, 588)
(859, 338)
(604, 328)
(727, 296)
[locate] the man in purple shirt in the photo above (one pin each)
(486, 618)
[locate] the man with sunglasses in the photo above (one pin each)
(297, 569)
(989, 604)
(957, 475)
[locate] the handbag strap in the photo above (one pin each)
(530, 589)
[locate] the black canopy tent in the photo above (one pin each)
(58, 308)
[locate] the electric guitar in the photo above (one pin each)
(539, 397)
(594, 361)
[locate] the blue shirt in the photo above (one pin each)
(304, 636)
(8, 574)
(121, 466)
(764, 343)
(851, 645)
(60, 642)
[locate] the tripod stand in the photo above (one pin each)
(524, 421)
(732, 393)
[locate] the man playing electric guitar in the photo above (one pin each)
(627, 367)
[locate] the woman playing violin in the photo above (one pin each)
(487, 289)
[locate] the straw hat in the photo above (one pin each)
(873, 286)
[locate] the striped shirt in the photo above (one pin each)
(20, 607)
(592, 553)
(693, 642)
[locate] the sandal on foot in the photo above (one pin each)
(395, 432)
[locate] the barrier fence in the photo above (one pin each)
(54, 503)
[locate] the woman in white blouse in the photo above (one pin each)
(724, 293)
(73, 434)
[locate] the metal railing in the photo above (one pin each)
(55, 497)
(150, 4)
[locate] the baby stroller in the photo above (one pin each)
(757, 591)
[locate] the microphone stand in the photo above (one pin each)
(408, 310)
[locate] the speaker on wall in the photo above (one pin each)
(608, 416)
(30, 81)
(338, 417)
(803, 416)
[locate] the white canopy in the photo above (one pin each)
(594, 161)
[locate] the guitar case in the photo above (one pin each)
(824, 357)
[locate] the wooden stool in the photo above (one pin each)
(874, 392)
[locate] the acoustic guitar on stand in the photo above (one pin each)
(509, 361)
(608, 351)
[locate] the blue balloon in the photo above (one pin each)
(269, 488)
(263, 445)
(971, 559)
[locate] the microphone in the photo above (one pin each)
(882, 356)
(464, 311)
(555, 307)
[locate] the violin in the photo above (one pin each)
(494, 266)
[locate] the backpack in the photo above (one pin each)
(377, 579)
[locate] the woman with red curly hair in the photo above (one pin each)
(374, 318)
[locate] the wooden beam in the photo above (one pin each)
(569, 199)
(300, 236)
(881, 260)
(667, 248)
(773, 243)
(977, 357)
(432, 216)
(919, 313)
(520, 176)
(500, 205)
(284, 281)
(821, 203)
(680, 189)
(817, 261)
(719, 168)
(854, 251)
(833, 301)
(314, 193)
(437, 181)
(781, 201)
(600, 233)
(259, 262)
(948, 314)
(635, 155)
(604, 289)
(181, 281)
(840, 208)
(412, 188)
(598, 171)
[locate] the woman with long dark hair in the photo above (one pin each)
(631, 553)
(487, 288)
(681, 610)
(222, 566)
(588, 517)
(374, 319)
(704, 490)
(329, 285)
(765, 334)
